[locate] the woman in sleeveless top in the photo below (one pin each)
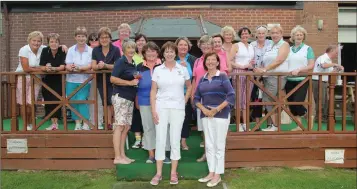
(301, 59)
(242, 60)
(228, 35)
(275, 59)
(260, 46)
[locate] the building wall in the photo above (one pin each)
(326, 11)
(64, 23)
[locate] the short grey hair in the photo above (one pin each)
(128, 43)
(297, 28)
(204, 39)
(261, 28)
(184, 39)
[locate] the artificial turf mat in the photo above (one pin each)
(188, 167)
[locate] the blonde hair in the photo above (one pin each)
(127, 44)
(204, 39)
(81, 31)
(260, 28)
(228, 29)
(35, 34)
(184, 39)
(124, 26)
(297, 28)
(278, 27)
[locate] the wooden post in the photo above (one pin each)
(354, 103)
(24, 103)
(64, 102)
(344, 105)
(14, 126)
(94, 85)
(331, 103)
(237, 102)
(33, 100)
(278, 116)
(247, 100)
(105, 101)
(319, 111)
(2, 87)
(310, 121)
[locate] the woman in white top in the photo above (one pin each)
(228, 34)
(260, 46)
(79, 59)
(168, 102)
(301, 59)
(275, 59)
(242, 60)
(29, 61)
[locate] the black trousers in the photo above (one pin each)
(188, 118)
(298, 96)
(136, 125)
(55, 83)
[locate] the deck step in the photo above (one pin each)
(188, 167)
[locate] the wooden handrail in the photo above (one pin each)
(10, 83)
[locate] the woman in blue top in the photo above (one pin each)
(185, 59)
(150, 52)
(213, 96)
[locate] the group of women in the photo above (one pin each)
(155, 91)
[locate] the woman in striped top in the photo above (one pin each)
(214, 96)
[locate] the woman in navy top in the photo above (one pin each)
(214, 96)
(150, 52)
(103, 58)
(124, 93)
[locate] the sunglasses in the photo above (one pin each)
(262, 26)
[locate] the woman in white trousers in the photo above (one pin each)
(214, 95)
(168, 102)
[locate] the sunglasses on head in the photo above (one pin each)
(262, 26)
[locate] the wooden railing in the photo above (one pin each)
(280, 102)
(8, 92)
(9, 108)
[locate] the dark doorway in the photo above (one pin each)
(195, 51)
(349, 59)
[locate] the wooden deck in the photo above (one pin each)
(66, 149)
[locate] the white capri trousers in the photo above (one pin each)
(199, 120)
(172, 119)
(215, 142)
(148, 128)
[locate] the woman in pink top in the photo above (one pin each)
(242, 60)
(217, 47)
(124, 31)
(205, 44)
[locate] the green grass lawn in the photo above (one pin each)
(255, 178)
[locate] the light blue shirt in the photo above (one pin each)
(188, 66)
(79, 59)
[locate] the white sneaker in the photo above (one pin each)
(242, 127)
(100, 127)
(29, 127)
(78, 127)
(137, 144)
(271, 128)
(85, 127)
